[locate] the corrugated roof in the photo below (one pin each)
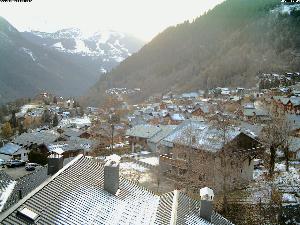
(75, 195)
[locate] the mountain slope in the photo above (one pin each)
(28, 65)
(100, 51)
(227, 46)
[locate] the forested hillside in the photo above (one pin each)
(228, 46)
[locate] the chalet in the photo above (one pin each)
(294, 148)
(174, 118)
(154, 141)
(203, 143)
(294, 122)
(96, 194)
(200, 110)
(140, 134)
(13, 151)
(256, 115)
(71, 148)
(73, 133)
(33, 140)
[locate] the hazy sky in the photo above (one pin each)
(142, 18)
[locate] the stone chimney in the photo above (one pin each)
(111, 174)
(55, 163)
(206, 207)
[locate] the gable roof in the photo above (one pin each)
(42, 137)
(164, 132)
(9, 149)
(143, 131)
(75, 195)
(207, 137)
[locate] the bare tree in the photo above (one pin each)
(275, 135)
(287, 139)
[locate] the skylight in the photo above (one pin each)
(29, 214)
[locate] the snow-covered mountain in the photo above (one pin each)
(102, 50)
(64, 63)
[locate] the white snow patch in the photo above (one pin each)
(59, 46)
(79, 122)
(27, 51)
(81, 47)
(289, 198)
(102, 70)
(133, 166)
(154, 161)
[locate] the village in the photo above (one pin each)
(244, 144)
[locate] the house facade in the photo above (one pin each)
(202, 159)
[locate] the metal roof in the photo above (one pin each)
(75, 195)
(42, 137)
(9, 149)
(164, 132)
(143, 131)
(206, 136)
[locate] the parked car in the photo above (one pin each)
(31, 166)
(15, 163)
(2, 162)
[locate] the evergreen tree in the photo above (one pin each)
(55, 100)
(21, 128)
(55, 120)
(13, 120)
(46, 117)
(7, 131)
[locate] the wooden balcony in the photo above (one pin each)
(180, 163)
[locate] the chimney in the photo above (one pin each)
(206, 207)
(111, 174)
(55, 163)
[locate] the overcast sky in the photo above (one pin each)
(142, 18)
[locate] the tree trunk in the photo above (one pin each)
(272, 160)
(286, 157)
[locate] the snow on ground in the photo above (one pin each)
(25, 108)
(133, 166)
(287, 183)
(4, 194)
(289, 198)
(27, 51)
(59, 46)
(81, 47)
(154, 161)
(78, 121)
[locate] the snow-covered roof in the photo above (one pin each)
(200, 135)
(42, 137)
(177, 117)
(84, 201)
(206, 191)
(9, 149)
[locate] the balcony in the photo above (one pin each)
(167, 158)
